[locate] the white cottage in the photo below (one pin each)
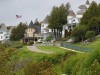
(45, 30)
(4, 33)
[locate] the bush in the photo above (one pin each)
(13, 44)
(49, 38)
(30, 43)
(42, 68)
(95, 68)
(89, 35)
(73, 64)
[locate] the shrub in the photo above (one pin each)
(49, 38)
(94, 68)
(89, 35)
(42, 68)
(14, 44)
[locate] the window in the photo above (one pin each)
(6, 36)
(1, 32)
(42, 25)
(1, 37)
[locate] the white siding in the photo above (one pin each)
(2, 35)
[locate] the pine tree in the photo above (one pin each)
(90, 13)
(98, 10)
(18, 32)
(58, 18)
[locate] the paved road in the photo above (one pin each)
(35, 49)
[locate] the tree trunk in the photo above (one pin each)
(82, 38)
(55, 33)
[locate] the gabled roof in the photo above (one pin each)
(35, 26)
(46, 19)
(81, 12)
(71, 13)
(87, 2)
(82, 7)
(3, 27)
(31, 25)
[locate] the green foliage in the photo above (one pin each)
(12, 44)
(73, 64)
(90, 13)
(6, 67)
(91, 18)
(90, 34)
(93, 56)
(30, 43)
(80, 31)
(57, 58)
(42, 68)
(49, 38)
(93, 24)
(83, 64)
(58, 18)
(18, 32)
(98, 9)
(94, 68)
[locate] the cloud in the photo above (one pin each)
(31, 9)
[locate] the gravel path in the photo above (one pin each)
(35, 49)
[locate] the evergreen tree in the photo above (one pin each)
(93, 24)
(58, 18)
(90, 13)
(18, 32)
(98, 10)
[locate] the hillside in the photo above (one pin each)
(95, 44)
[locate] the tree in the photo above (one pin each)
(90, 13)
(98, 9)
(18, 32)
(90, 34)
(93, 24)
(58, 18)
(79, 32)
(53, 20)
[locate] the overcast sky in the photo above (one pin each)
(31, 9)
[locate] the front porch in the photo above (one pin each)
(26, 40)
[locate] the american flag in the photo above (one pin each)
(18, 16)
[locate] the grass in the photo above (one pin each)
(23, 55)
(94, 44)
(52, 49)
(62, 58)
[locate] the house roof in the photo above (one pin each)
(35, 26)
(81, 12)
(3, 27)
(82, 7)
(46, 19)
(87, 2)
(71, 13)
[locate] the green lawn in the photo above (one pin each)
(52, 49)
(94, 44)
